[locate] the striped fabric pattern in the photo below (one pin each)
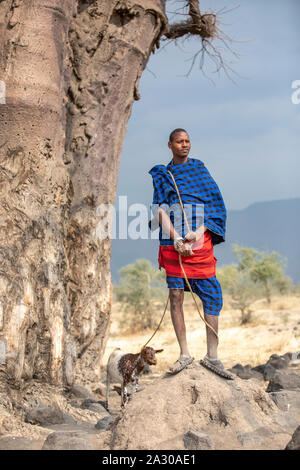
(196, 186)
(208, 290)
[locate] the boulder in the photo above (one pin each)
(194, 440)
(284, 381)
(246, 372)
(198, 400)
(47, 415)
(279, 362)
(288, 400)
(275, 362)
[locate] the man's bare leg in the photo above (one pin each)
(211, 339)
(176, 302)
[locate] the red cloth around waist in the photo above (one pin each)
(201, 265)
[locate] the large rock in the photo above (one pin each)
(294, 443)
(274, 363)
(284, 381)
(279, 362)
(48, 415)
(246, 372)
(230, 412)
(288, 400)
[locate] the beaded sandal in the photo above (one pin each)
(216, 366)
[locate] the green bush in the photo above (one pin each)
(257, 274)
(142, 294)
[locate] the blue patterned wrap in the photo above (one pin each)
(196, 186)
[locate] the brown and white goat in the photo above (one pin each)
(125, 369)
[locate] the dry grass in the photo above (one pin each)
(271, 330)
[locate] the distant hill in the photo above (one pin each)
(266, 226)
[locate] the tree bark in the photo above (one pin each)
(35, 190)
(111, 43)
(70, 71)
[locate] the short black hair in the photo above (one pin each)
(176, 131)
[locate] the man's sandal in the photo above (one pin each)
(180, 364)
(216, 366)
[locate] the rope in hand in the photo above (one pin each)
(185, 276)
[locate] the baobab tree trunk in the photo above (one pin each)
(111, 43)
(70, 72)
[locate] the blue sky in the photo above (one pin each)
(248, 133)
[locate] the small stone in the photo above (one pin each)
(68, 440)
(94, 405)
(104, 422)
(76, 402)
(101, 390)
(80, 392)
(194, 440)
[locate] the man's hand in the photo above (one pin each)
(191, 237)
(185, 250)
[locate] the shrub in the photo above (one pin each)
(142, 294)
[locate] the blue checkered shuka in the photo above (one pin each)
(197, 189)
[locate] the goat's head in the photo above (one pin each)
(148, 354)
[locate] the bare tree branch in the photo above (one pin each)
(206, 27)
(198, 25)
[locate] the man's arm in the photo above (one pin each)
(168, 227)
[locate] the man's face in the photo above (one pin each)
(180, 145)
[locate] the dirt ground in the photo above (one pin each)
(274, 329)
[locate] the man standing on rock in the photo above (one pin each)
(193, 240)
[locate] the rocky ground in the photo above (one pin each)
(195, 409)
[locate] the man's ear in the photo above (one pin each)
(169, 144)
(158, 350)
